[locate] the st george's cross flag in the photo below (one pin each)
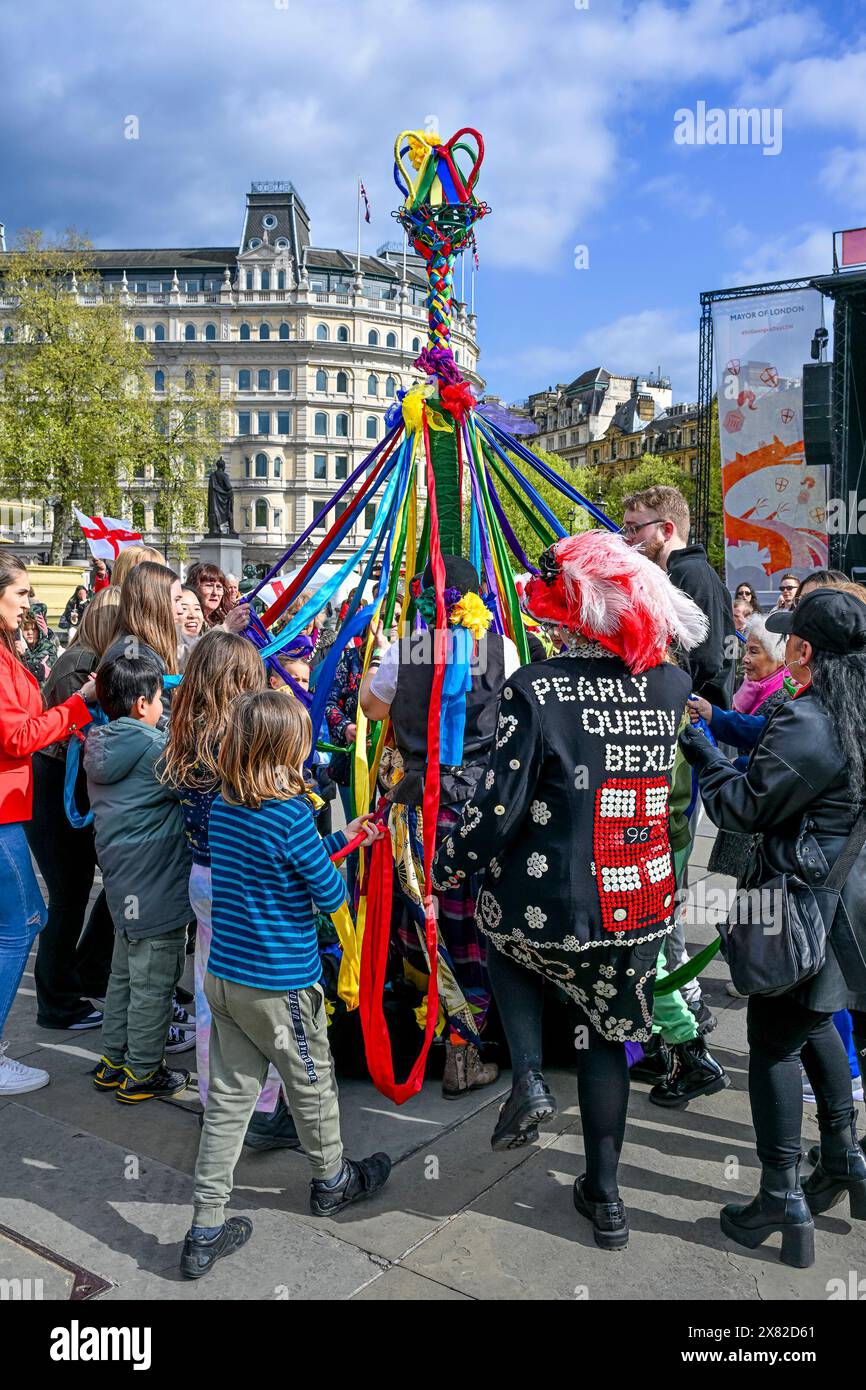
(106, 536)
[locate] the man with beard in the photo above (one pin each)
(657, 522)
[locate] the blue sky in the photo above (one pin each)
(576, 105)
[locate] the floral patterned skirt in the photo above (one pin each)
(610, 980)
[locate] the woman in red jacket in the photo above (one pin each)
(25, 727)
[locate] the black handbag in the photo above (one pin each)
(775, 937)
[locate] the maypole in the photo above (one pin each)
(433, 434)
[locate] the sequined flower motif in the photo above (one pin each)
(495, 868)
(449, 847)
(491, 912)
(601, 1005)
(536, 865)
(607, 970)
(471, 818)
(540, 812)
(489, 779)
(606, 990)
(535, 918)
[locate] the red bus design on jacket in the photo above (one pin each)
(632, 860)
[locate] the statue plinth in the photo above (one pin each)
(224, 551)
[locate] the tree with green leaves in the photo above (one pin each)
(651, 470)
(184, 430)
(75, 402)
(526, 522)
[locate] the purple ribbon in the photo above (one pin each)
(507, 530)
(439, 362)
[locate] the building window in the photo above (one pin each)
(264, 422)
(390, 386)
(264, 332)
(210, 332)
(391, 340)
(269, 221)
(416, 344)
(159, 380)
(139, 332)
(457, 358)
(139, 472)
(210, 378)
(341, 467)
(342, 384)
(284, 421)
(321, 380)
(372, 385)
(281, 285)
(245, 333)
(340, 509)
(248, 280)
(342, 334)
(373, 338)
(159, 333)
(342, 427)
(261, 465)
(284, 379)
(266, 279)
(595, 455)
(138, 516)
(189, 379)
(320, 522)
(370, 515)
(246, 465)
(284, 332)
(321, 332)
(278, 519)
(244, 419)
(320, 466)
(262, 513)
(320, 426)
(372, 427)
(278, 468)
(189, 332)
(244, 378)
(264, 379)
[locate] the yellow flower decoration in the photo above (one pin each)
(420, 144)
(472, 613)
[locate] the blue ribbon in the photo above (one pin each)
(456, 686)
(73, 763)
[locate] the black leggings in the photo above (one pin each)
(72, 960)
(602, 1070)
(782, 1032)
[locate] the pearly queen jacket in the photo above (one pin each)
(570, 819)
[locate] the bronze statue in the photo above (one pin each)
(220, 502)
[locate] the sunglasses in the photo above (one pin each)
(631, 530)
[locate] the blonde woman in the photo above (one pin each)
(127, 560)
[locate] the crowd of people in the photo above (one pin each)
(159, 750)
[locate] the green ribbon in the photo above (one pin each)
(692, 968)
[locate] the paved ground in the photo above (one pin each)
(106, 1193)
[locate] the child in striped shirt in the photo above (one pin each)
(270, 872)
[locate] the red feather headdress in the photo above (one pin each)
(596, 585)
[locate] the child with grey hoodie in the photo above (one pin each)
(142, 852)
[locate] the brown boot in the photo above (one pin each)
(465, 1071)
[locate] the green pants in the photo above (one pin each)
(250, 1029)
(671, 1016)
(138, 1000)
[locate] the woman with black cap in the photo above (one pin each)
(803, 793)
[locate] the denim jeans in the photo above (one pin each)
(22, 913)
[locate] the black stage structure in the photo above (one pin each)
(834, 423)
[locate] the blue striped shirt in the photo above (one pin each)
(270, 871)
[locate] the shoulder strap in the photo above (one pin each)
(838, 875)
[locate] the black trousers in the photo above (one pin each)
(780, 1033)
(73, 959)
(602, 1070)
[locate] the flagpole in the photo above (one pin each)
(473, 289)
(359, 226)
(463, 277)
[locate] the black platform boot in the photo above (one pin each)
(779, 1206)
(609, 1219)
(655, 1063)
(693, 1072)
(841, 1168)
(530, 1102)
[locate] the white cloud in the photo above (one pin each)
(792, 255)
(844, 175)
(821, 91)
(632, 343)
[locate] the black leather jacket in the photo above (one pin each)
(796, 794)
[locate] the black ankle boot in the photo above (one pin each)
(655, 1063)
(841, 1168)
(693, 1072)
(779, 1206)
(609, 1219)
(530, 1101)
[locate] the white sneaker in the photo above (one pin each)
(15, 1078)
